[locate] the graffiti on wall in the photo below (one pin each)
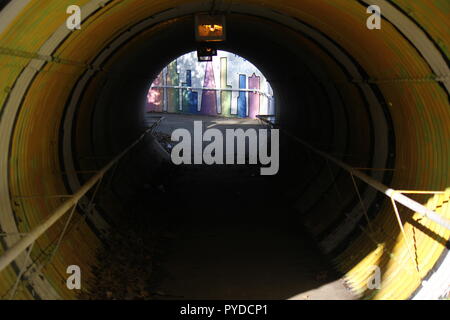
(229, 86)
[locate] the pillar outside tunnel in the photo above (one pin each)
(378, 99)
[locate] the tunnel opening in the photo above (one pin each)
(315, 195)
(226, 86)
(331, 93)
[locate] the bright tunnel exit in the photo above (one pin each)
(227, 86)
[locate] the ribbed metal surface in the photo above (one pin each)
(418, 105)
(432, 16)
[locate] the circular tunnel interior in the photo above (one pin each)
(376, 100)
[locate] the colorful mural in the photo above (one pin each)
(229, 86)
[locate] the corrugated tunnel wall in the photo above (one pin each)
(376, 98)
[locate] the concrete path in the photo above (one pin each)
(232, 237)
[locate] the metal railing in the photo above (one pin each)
(69, 205)
(394, 195)
(191, 88)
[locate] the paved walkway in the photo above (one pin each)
(232, 237)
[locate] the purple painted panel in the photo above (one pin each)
(209, 97)
(253, 98)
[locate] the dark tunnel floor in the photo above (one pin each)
(224, 232)
(236, 240)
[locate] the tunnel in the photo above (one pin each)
(377, 100)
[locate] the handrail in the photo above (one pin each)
(20, 246)
(391, 193)
(255, 91)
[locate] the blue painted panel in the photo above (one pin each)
(242, 98)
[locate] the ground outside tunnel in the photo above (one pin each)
(212, 232)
